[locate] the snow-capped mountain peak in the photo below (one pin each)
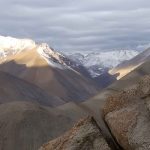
(52, 57)
(17, 44)
(95, 62)
(10, 45)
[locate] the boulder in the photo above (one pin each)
(127, 116)
(85, 135)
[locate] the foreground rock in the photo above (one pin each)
(127, 115)
(85, 135)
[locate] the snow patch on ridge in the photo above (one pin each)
(49, 55)
(56, 59)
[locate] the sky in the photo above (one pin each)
(79, 25)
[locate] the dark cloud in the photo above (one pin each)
(80, 24)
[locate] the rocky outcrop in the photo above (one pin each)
(127, 115)
(85, 135)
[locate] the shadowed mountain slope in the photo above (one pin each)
(15, 89)
(26, 126)
(61, 82)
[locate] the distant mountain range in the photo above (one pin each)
(95, 62)
(99, 62)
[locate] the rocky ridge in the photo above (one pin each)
(85, 135)
(127, 115)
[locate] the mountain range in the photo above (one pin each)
(41, 66)
(115, 109)
(99, 62)
(43, 93)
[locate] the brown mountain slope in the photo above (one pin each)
(15, 89)
(64, 83)
(127, 66)
(26, 126)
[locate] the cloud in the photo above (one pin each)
(78, 25)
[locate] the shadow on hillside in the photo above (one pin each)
(66, 84)
(106, 79)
